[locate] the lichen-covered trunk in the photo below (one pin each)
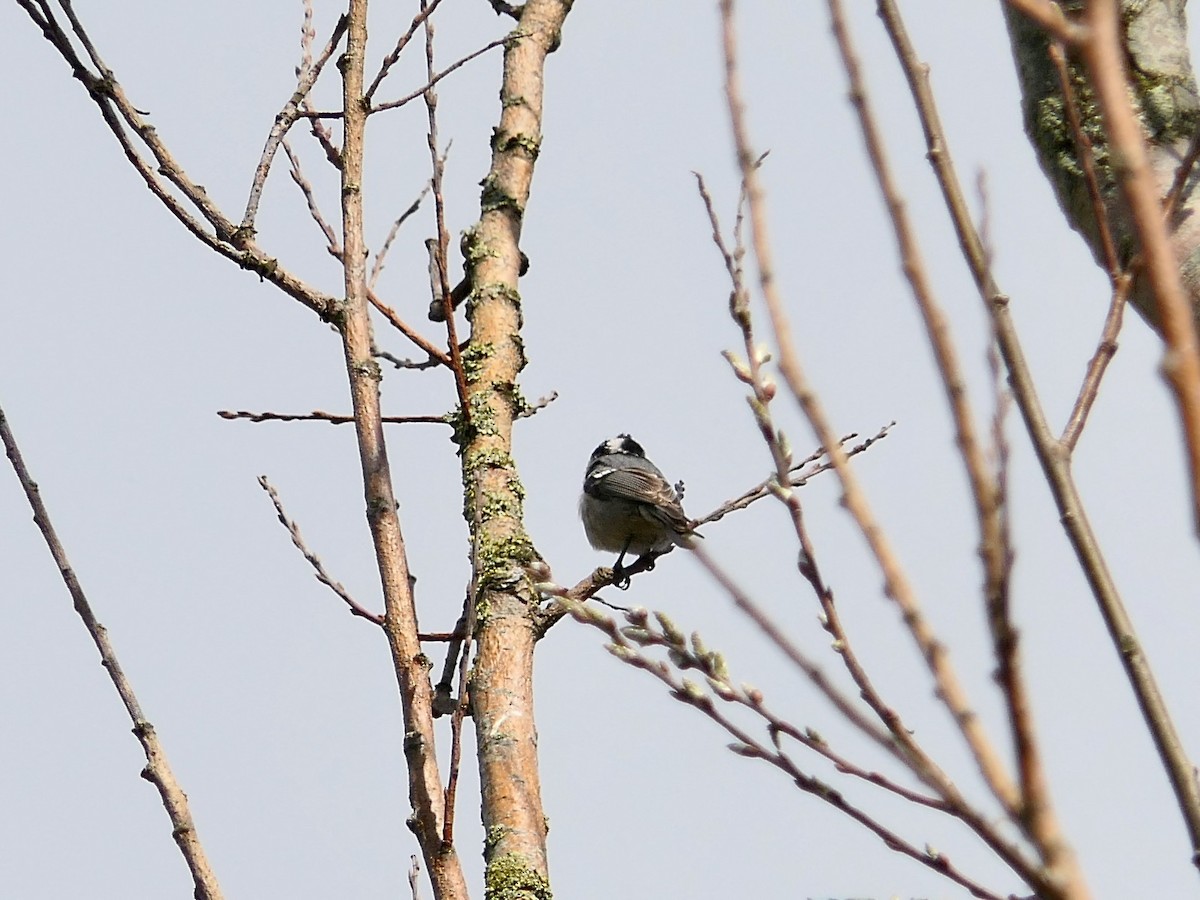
(1163, 91)
(501, 685)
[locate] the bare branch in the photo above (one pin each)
(318, 567)
(122, 118)
(1055, 460)
(398, 363)
(381, 255)
(1106, 348)
(158, 769)
(435, 77)
(803, 471)
(1086, 153)
(532, 409)
(434, 352)
(284, 120)
(462, 701)
(400, 614)
(306, 188)
(623, 645)
(439, 252)
(320, 416)
(393, 57)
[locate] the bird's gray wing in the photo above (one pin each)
(648, 489)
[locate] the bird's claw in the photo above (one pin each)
(621, 578)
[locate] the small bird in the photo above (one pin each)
(629, 507)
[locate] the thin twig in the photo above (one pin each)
(308, 34)
(1121, 279)
(1106, 348)
(434, 78)
(122, 118)
(751, 373)
(445, 701)
(313, 560)
(434, 352)
(1182, 174)
(382, 253)
(532, 409)
(687, 691)
(108, 86)
(801, 474)
(284, 120)
(158, 769)
(897, 740)
(1005, 638)
(981, 480)
(394, 56)
(1029, 804)
(399, 363)
(896, 583)
(306, 188)
(1085, 152)
(441, 257)
(318, 415)
(462, 698)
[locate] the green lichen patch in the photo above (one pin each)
(510, 877)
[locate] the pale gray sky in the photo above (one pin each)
(122, 336)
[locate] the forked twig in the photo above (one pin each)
(801, 472)
(394, 56)
(432, 351)
(626, 643)
(284, 120)
(434, 78)
(125, 122)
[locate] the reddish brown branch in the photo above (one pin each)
(433, 351)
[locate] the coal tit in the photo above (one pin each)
(628, 506)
